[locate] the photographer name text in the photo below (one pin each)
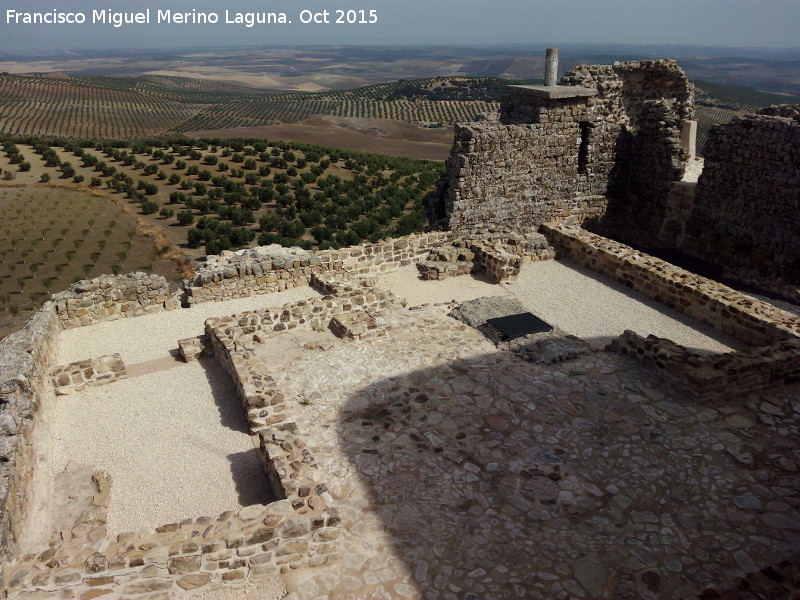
(170, 17)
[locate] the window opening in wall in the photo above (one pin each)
(583, 151)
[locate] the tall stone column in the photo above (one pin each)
(551, 69)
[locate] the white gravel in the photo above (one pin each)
(406, 285)
(153, 336)
(174, 442)
(271, 589)
(571, 298)
(598, 309)
(693, 170)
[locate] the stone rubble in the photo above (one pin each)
(77, 376)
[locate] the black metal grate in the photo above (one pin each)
(514, 326)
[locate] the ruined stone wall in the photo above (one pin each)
(268, 269)
(708, 378)
(567, 159)
(26, 358)
(513, 177)
(371, 259)
(743, 317)
(111, 297)
(91, 372)
(746, 214)
(200, 554)
(254, 271)
(640, 107)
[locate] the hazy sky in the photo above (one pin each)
(466, 22)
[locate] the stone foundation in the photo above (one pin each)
(77, 376)
(371, 259)
(736, 314)
(301, 529)
(255, 271)
(110, 297)
(715, 377)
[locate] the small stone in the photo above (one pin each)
(747, 502)
(592, 575)
(780, 522)
(745, 562)
(249, 513)
(739, 422)
(183, 564)
(771, 409)
(194, 581)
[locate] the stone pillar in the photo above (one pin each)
(551, 69)
(689, 138)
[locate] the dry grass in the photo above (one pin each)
(51, 236)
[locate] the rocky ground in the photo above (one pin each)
(460, 471)
(463, 472)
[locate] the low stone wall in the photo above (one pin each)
(741, 316)
(234, 338)
(714, 377)
(26, 358)
(193, 348)
(111, 297)
(77, 376)
(254, 271)
(201, 554)
(371, 259)
(259, 542)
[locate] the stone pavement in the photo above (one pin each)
(462, 473)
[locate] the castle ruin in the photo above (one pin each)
(411, 455)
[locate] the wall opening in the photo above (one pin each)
(583, 150)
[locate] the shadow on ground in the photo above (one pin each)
(495, 478)
(247, 473)
(226, 399)
(248, 476)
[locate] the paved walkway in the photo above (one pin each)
(463, 473)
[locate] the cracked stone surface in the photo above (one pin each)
(462, 472)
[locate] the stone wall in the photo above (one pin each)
(255, 271)
(234, 337)
(715, 377)
(268, 269)
(92, 372)
(571, 157)
(371, 259)
(743, 317)
(746, 214)
(706, 377)
(200, 554)
(111, 297)
(26, 358)
(298, 531)
(640, 109)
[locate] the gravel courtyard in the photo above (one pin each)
(569, 297)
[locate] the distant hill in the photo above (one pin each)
(149, 105)
(718, 103)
